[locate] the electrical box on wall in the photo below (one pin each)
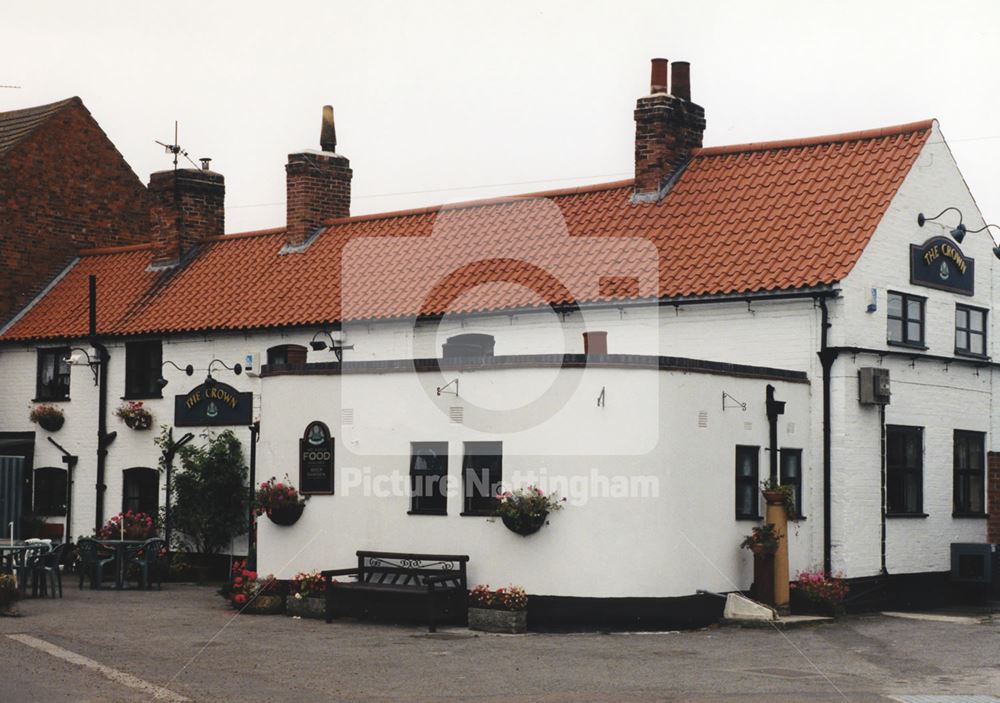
(251, 364)
(873, 386)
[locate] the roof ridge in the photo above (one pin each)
(120, 249)
(246, 235)
(481, 202)
(877, 133)
(38, 109)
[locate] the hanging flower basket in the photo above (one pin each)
(48, 417)
(286, 515)
(524, 525)
(134, 415)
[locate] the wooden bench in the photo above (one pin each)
(439, 579)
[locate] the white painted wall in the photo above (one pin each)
(684, 538)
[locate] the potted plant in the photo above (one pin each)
(134, 415)
(128, 525)
(776, 493)
(815, 593)
(525, 510)
(254, 595)
(500, 610)
(282, 504)
(49, 417)
(763, 539)
(307, 593)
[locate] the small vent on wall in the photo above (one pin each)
(791, 428)
(347, 416)
(456, 415)
(748, 426)
(702, 418)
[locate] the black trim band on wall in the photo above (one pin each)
(534, 361)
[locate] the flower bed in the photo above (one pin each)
(500, 610)
(815, 593)
(8, 592)
(252, 594)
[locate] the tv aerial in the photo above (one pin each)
(175, 149)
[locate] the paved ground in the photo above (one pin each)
(183, 643)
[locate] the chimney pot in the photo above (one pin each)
(205, 163)
(328, 131)
(680, 80)
(658, 77)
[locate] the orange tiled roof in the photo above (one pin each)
(748, 218)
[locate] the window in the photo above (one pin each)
(429, 478)
(970, 330)
(286, 354)
(906, 319)
(143, 364)
(50, 491)
(747, 480)
(970, 472)
(904, 469)
(141, 491)
(791, 474)
(482, 472)
(52, 382)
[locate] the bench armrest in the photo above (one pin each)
(439, 579)
(327, 573)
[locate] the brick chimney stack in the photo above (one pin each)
(667, 127)
(318, 187)
(188, 207)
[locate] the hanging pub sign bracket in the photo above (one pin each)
(939, 263)
(316, 453)
(733, 403)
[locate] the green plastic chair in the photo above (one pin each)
(150, 558)
(93, 558)
(45, 573)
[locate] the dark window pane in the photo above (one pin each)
(747, 473)
(429, 477)
(141, 491)
(970, 472)
(52, 382)
(482, 474)
(143, 362)
(904, 469)
(50, 491)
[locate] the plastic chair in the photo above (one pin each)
(46, 569)
(93, 557)
(149, 557)
(24, 564)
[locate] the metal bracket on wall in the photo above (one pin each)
(443, 390)
(735, 403)
(602, 398)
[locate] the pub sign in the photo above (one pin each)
(316, 460)
(939, 263)
(213, 406)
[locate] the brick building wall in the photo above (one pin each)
(993, 497)
(65, 187)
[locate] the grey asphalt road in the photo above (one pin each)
(184, 643)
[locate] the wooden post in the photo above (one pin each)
(776, 515)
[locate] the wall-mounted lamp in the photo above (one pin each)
(161, 382)
(81, 357)
(960, 230)
(210, 381)
(336, 345)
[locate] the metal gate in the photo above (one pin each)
(11, 486)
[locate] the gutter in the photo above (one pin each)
(104, 439)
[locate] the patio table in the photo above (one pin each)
(121, 547)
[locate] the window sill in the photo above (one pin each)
(971, 355)
(907, 515)
(426, 512)
(142, 397)
(478, 513)
(908, 345)
(748, 518)
(50, 400)
(975, 516)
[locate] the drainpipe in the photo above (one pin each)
(881, 423)
(104, 438)
(252, 516)
(774, 409)
(826, 357)
(70, 460)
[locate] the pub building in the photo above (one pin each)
(814, 310)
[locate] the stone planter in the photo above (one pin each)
(266, 605)
(514, 622)
(51, 423)
(287, 514)
(524, 525)
(308, 607)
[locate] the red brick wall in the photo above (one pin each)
(318, 188)
(64, 187)
(993, 497)
(189, 207)
(666, 129)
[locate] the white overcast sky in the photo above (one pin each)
(445, 101)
